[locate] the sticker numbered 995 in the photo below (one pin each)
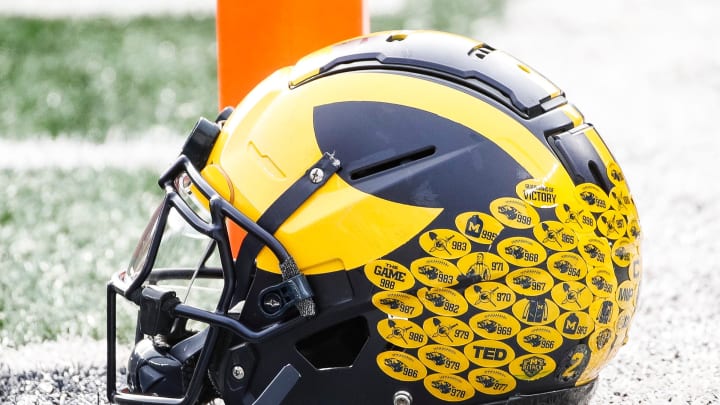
(401, 366)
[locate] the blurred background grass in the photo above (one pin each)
(63, 231)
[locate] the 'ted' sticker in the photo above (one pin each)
(389, 275)
(495, 325)
(402, 333)
(401, 366)
(443, 301)
(489, 353)
(478, 227)
(448, 331)
(435, 272)
(449, 387)
(445, 243)
(492, 381)
(398, 304)
(567, 266)
(592, 197)
(521, 251)
(482, 266)
(443, 359)
(514, 213)
(555, 235)
(531, 367)
(537, 193)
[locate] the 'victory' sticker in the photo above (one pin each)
(537, 193)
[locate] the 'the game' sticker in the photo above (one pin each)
(490, 296)
(531, 367)
(537, 193)
(495, 325)
(389, 275)
(398, 304)
(489, 353)
(443, 359)
(482, 266)
(401, 366)
(478, 226)
(514, 213)
(402, 333)
(449, 387)
(435, 272)
(567, 266)
(539, 339)
(530, 281)
(443, 301)
(492, 381)
(445, 243)
(522, 251)
(448, 331)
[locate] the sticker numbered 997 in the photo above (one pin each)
(492, 381)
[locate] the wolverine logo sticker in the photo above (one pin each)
(389, 275)
(531, 367)
(435, 272)
(402, 333)
(567, 266)
(492, 381)
(478, 227)
(490, 296)
(401, 366)
(448, 331)
(537, 193)
(596, 252)
(482, 266)
(398, 304)
(443, 359)
(615, 174)
(601, 282)
(514, 213)
(443, 301)
(444, 243)
(449, 387)
(555, 235)
(623, 251)
(521, 251)
(530, 281)
(494, 325)
(592, 197)
(539, 339)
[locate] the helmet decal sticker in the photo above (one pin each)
(620, 199)
(449, 387)
(604, 312)
(537, 193)
(401, 366)
(567, 266)
(522, 251)
(492, 381)
(482, 266)
(402, 332)
(435, 272)
(489, 353)
(445, 243)
(555, 235)
(530, 281)
(595, 251)
(575, 324)
(443, 359)
(539, 339)
(572, 295)
(478, 227)
(514, 213)
(592, 197)
(622, 251)
(443, 301)
(495, 325)
(535, 310)
(389, 275)
(601, 339)
(626, 294)
(448, 331)
(531, 367)
(398, 304)
(601, 282)
(612, 224)
(576, 217)
(614, 173)
(490, 296)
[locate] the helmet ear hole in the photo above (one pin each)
(336, 346)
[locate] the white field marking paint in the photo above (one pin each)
(94, 8)
(152, 152)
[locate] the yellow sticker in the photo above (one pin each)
(449, 387)
(448, 331)
(596, 252)
(482, 266)
(567, 266)
(633, 229)
(621, 200)
(615, 174)
(625, 296)
(602, 282)
(402, 333)
(443, 359)
(537, 193)
(401, 366)
(398, 304)
(604, 312)
(592, 197)
(612, 224)
(495, 325)
(492, 381)
(445, 243)
(443, 301)
(489, 353)
(530, 281)
(635, 269)
(577, 218)
(555, 235)
(478, 226)
(514, 213)
(389, 275)
(574, 324)
(535, 310)
(490, 296)
(623, 251)
(601, 339)
(572, 295)
(521, 251)
(435, 272)
(539, 339)
(531, 367)
(623, 320)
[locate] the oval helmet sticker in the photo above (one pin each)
(572, 295)
(612, 224)
(482, 266)
(435, 272)
(601, 282)
(530, 281)
(537, 193)
(389, 275)
(576, 217)
(449, 387)
(574, 324)
(445, 243)
(448, 331)
(479, 227)
(490, 296)
(539, 339)
(495, 325)
(522, 251)
(401, 366)
(596, 252)
(567, 266)
(402, 332)
(604, 312)
(489, 353)
(555, 235)
(443, 359)
(398, 304)
(443, 301)
(592, 197)
(626, 292)
(531, 367)
(623, 251)
(514, 213)
(535, 310)
(492, 381)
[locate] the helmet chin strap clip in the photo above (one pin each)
(293, 291)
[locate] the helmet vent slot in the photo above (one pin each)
(481, 51)
(336, 346)
(392, 163)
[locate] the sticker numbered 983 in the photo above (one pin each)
(435, 272)
(445, 243)
(401, 366)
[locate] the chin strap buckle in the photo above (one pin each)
(294, 290)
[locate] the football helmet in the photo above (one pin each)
(404, 217)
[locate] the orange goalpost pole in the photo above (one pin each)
(254, 38)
